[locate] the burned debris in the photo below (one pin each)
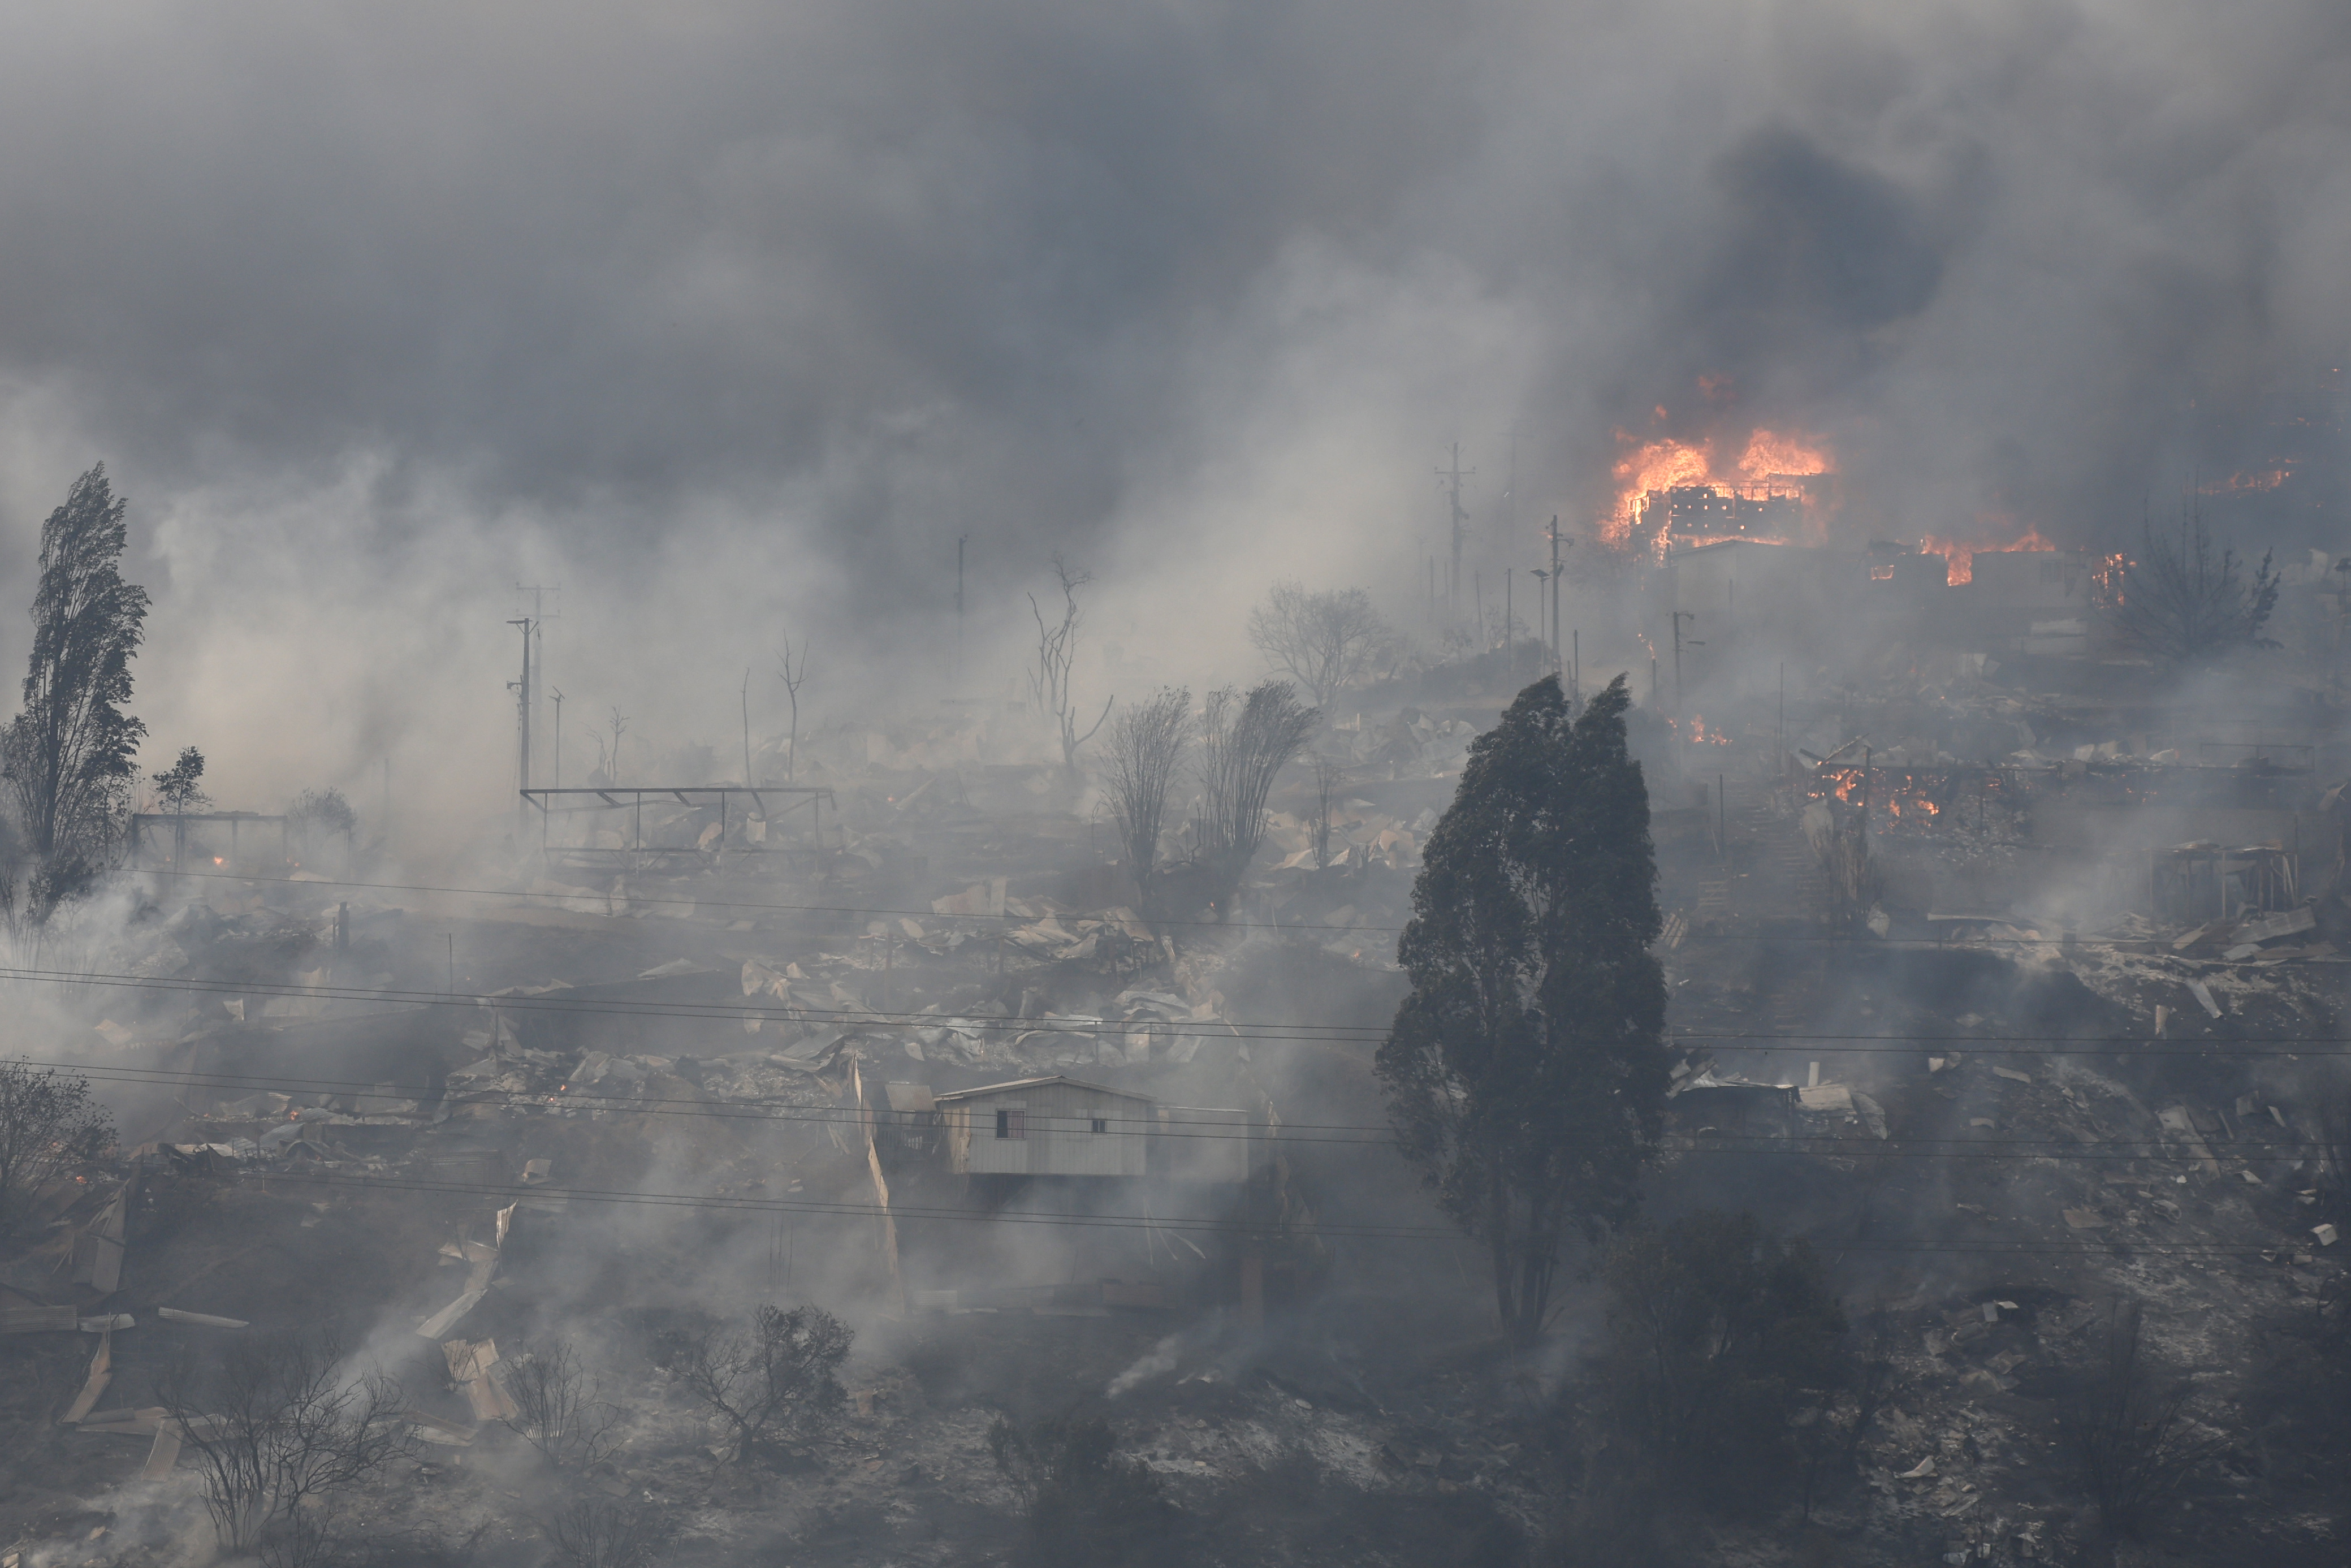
(1488, 1114)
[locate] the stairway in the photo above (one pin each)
(1781, 877)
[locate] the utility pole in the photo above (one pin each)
(1453, 478)
(522, 710)
(1555, 649)
(1680, 616)
(538, 635)
(555, 763)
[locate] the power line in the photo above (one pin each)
(2068, 1148)
(924, 913)
(748, 1205)
(2055, 1045)
(1778, 939)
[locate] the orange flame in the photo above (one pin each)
(1961, 557)
(1772, 455)
(1668, 463)
(2255, 479)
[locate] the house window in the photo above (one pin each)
(1101, 1124)
(1011, 1124)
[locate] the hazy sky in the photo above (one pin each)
(725, 315)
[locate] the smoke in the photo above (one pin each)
(739, 318)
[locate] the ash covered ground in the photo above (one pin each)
(599, 1116)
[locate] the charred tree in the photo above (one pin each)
(2186, 605)
(557, 1406)
(1326, 642)
(595, 1531)
(1146, 751)
(794, 677)
(1057, 652)
(1328, 777)
(274, 1423)
(67, 756)
(1722, 1334)
(1526, 1072)
(48, 1122)
(316, 817)
(779, 1374)
(2125, 1419)
(1083, 1502)
(1244, 743)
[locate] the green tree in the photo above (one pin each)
(180, 788)
(1526, 1073)
(67, 756)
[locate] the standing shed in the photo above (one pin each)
(1054, 1126)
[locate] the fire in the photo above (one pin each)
(2257, 479)
(1667, 462)
(1961, 557)
(1664, 464)
(1771, 456)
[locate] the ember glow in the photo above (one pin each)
(2252, 480)
(1962, 556)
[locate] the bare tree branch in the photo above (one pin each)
(794, 677)
(1244, 743)
(780, 1373)
(1057, 651)
(274, 1423)
(1326, 642)
(555, 1406)
(2186, 605)
(1146, 747)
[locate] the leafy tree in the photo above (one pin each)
(1525, 1072)
(180, 788)
(2186, 605)
(316, 816)
(48, 1122)
(1326, 641)
(67, 756)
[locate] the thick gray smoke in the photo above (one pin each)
(739, 314)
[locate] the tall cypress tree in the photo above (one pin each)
(1526, 1072)
(67, 756)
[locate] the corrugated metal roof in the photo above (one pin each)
(1033, 1083)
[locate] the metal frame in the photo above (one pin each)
(630, 798)
(141, 821)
